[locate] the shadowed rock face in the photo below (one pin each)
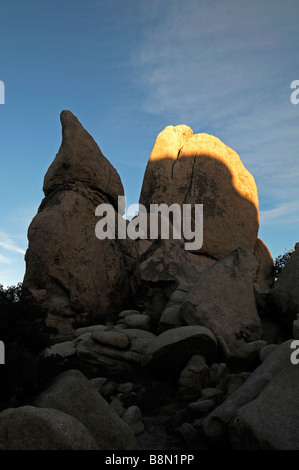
(159, 270)
(68, 269)
(263, 413)
(199, 169)
(72, 394)
(265, 277)
(31, 428)
(169, 352)
(223, 299)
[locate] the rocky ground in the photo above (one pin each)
(177, 390)
(184, 389)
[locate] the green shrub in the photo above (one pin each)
(25, 335)
(280, 262)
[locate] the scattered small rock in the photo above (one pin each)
(201, 407)
(211, 393)
(111, 338)
(108, 389)
(117, 405)
(126, 313)
(132, 416)
(193, 378)
(89, 329)
(126, 387)
(98, 383)
(65, 349)
(138, 321)
(218, 374)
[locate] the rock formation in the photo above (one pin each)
(76, 276)
(223, 299)
(69, 270)
(263, 413)
(182, 349)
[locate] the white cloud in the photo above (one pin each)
(5, 260)
(22, 217)
(211, 58)
(13, 244)
(7, 243)
(11, 264)
(285, 213)
(11, 276)
(225, 68)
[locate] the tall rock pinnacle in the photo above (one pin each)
(70, 271)
(80, 160)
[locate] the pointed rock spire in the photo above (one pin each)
(68, 270)
(80, 159)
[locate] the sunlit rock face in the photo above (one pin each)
(68, 270)
(187, 168)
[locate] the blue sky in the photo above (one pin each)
(129, 68)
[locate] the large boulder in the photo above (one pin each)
(263, 413)
(169, 352)
(223, 299)
(31, 428)
(73, 394)
(199, 169)
(160, 269)
(284, 295)
(68, 269)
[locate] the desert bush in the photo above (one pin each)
(25, 335)
(280, 262)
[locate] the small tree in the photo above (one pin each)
(25, 335)
(280, 262)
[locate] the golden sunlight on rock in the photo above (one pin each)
(187, 168)
(170, 141)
